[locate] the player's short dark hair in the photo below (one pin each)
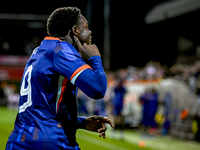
(62, 20)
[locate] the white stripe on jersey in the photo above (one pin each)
(60, 82)
(76, 76)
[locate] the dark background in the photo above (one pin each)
(133, 42)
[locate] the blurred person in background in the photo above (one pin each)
(149, 101)
(150, 71)
(117, 105)
(167, 102)
(13, 98)
(2, 96)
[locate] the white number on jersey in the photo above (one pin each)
(26, 90)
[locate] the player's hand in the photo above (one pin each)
(85, 50)
(97, 124)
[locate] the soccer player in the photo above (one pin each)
(47, 117)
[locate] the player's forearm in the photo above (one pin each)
(93, 82)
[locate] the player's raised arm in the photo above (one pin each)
(93, 81)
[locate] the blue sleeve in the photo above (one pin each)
(93, 82)
(80, 122)
(90, 78)
(68, 62)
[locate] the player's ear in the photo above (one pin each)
(75, 30)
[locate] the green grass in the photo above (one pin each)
(7, 119)
(161, 142)
(90, 140)
(87, 140)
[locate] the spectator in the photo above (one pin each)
(167, 101)
(13, 100)
(2, 97)
(117, 101)
(150, 104)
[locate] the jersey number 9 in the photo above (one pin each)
(26, 89)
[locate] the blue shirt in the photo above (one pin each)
(118, 99)
(119, 96)
(47, 105)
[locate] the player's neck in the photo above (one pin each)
(67, 38)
